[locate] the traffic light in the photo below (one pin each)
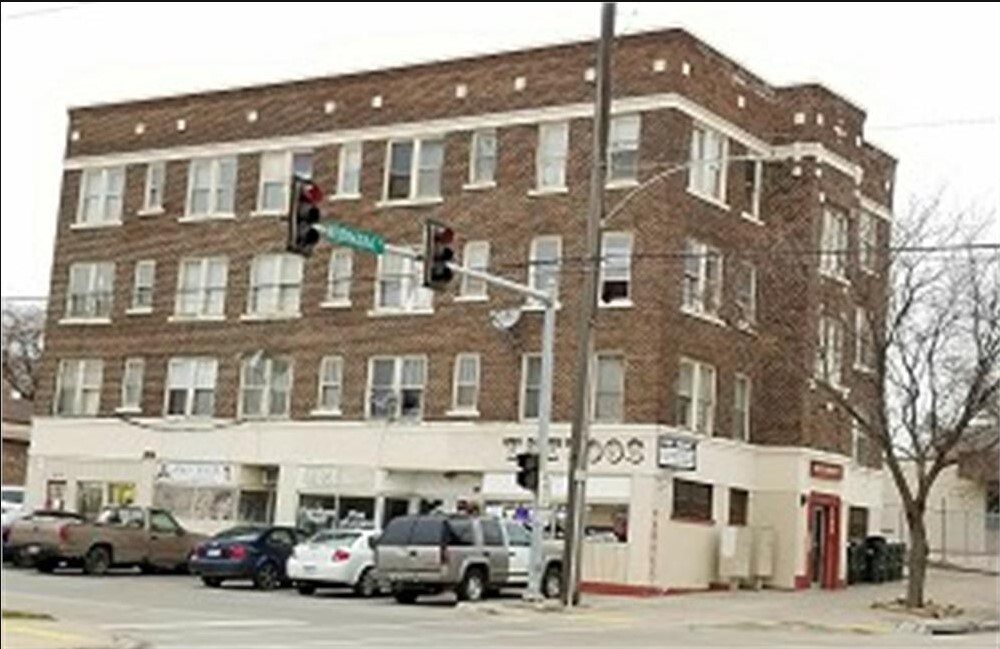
(438, 252)
(303, 213)
(527, 471)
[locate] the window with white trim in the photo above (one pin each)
(201, 287)
(211, 187)
(702, 278)
(101, 196)
(91, 290)
(550, 156)
(623, 148)
(78, 387)
(275, 285)
(466, 392)
(156, 179)
(741, 407)
(414, 169)
(190, 387)
(396, 387)
(867, 241)
(265, 387)
(349, 169)
(830, 351)
(399, 285)
(746, 292)
(864, 343)
(833, 243)
(483, 162)
(616, 267)
(859, 440)
(543, 264)
(331, 374)
(531, 385)
(707, 175)
(752, 178)
(132, 384)
(609, 387)
(338, 278)
(273, 193)
(475, 256)
(695, 392)
(142, 285)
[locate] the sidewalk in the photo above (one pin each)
(52, 634)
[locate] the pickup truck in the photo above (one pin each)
(121, 536)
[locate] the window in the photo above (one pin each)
(864, 344)
(101, 192)
(746, 293)
(739, 501)
(275, 285)
(517, 536)
(609, 388)
(709, 150)
(483, 163)
(132, 384)
(349, 170)
(830, 350)
(91, 290)
(78, 387)
(162, 523)
(858, 442)
(338, 281)
(396, 387)
(692, 500)
(414, 169)
(696, 397)
(201, 287)
(550, 161)
(211, 187)
(428, 531)
(751, 181)
(741, 407)
(623, 148)
(156, 178)
(616, 267)
(274, 180)
(399, 285)
(265, 386)
(466, 395)
(543, 264)
(531, 385)
(833, 243)
(476, 256)
(867, 241)
(142, 289)
(492, 533)
(702, 278)
(191, 387)
(857, 523)
(331, 370)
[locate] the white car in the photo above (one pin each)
(13, 504)
(333, 558)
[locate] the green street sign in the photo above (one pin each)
(345, 235)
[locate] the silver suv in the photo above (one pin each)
(474, 556)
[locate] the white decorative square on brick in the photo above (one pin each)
(857, 141)
(741, 101)
(799, 118)
(822, 197)
(797, 171)
(329, 107)
(182, 124)
(252, 116)
(686, 69)
(377, 101)
(819, 172)
(74, 135)
(461, 91)
(819, 119)
(659, 65)
(140, 128)
(589, 75)
(520, 83)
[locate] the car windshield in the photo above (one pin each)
(242, 533)
(15, 496)
(335, 537)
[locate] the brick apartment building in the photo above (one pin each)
(198, 367)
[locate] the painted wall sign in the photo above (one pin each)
(679, 453)
(613, 451)
(826, 470)
(195, 473)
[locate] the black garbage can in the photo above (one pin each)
(876, 559)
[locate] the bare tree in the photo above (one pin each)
(23, 330)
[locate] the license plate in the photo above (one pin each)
(214, 553)
(34, 549)
(309, 568)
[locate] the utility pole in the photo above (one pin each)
(576, 478)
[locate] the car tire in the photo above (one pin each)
(552, 582)
(22, 559)
(473, 585)
(148, 569)
(367, 584)
(404, 596)
(211, 582)
(306, 589)
(266, 577)
(47, 566)
(97, 561)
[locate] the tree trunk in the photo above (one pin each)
(917, 577)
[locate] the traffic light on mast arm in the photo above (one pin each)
(303, 213)
(438, 253)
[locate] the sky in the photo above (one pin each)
(929, 80)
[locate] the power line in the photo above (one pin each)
(44, 11)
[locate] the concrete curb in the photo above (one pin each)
(951, 627)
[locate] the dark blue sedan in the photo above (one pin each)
(257, 553)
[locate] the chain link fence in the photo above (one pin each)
(962, 537)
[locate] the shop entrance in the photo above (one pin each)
(824, 540)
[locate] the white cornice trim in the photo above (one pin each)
(879, 210)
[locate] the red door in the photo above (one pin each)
(823, 563)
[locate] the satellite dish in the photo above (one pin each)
(504, 319)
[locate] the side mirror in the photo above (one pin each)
(372, 542)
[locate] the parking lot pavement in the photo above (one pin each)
(174, 612)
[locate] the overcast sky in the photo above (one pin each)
(928, 75)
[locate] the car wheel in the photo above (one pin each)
(148, 569)
(267, 577)
(306, 589)
(473, 586)
(22, 559)
(97, 561)
(367, 584)
(552, 582)
(404, 596)
(211, 582)
(47, 566)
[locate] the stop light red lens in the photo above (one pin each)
(444, 236)
(312, 193)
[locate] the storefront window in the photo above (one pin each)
(121, 493)
(89, 499)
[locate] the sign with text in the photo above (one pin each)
(345, 235)
(679, 453)
(826, 470)
(195, 473)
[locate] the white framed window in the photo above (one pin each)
(741, 407)
(753, 171)
(275, 285)
(864, 343)
(543, 264)
(399, 286)
(132, 384)
(550, 157)
(476, 256)
(101, 193)
(190, 387)
(156, 180)
(91, 290)
(746, 292)
(211, 187)
(623, 148)
(331, 377)
(465, 395)
(414, 169)
(616, 268)
(833, 243)
(396, 387)
(349, 170)
(707, 175)
(483, 157)
(78, 387)
(142, 285)
(696, 396)
(859, 440)
(531, 385)
(201, 287)
(830, 351)
(272, 195)
(338, 278)
(702, 293)
(867, 241)
(609, 387)
(265, 387)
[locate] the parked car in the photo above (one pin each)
(471, 555)
(18, 533)
(337, 557)
(255, 552)
(11, 505)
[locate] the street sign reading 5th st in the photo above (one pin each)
(345, 235)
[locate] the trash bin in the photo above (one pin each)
(876, 559)
(855, 561)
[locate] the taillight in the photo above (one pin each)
(200, 551)
(341, 555)
(63, 533)
(238, 552)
